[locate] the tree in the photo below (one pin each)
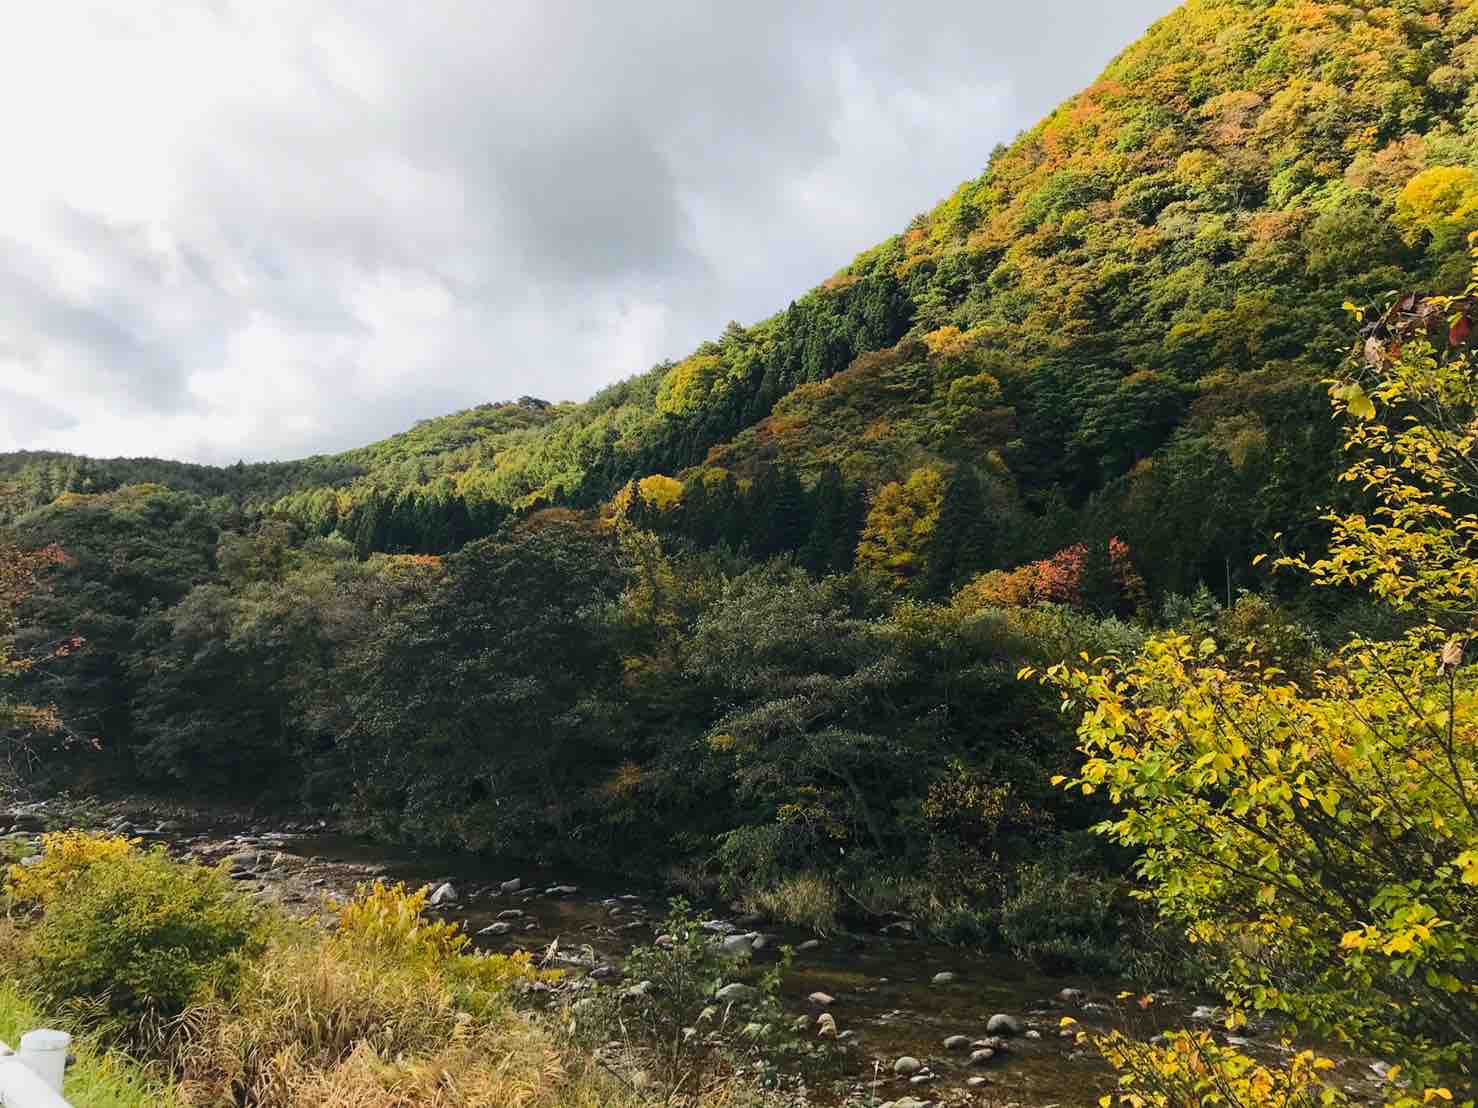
(900, 527)
(20, 578)
(1322, 837)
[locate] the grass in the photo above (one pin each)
(98, 1079)
(807, 901)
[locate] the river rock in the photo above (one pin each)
(640, 989)
(511, 913)
(736, 946)
(982, 1056)
(445, 893)
(718, 927)
(822, 1000)
(901, 927)
(907, 1102)
(1206, 1014)
(737, 993)
(907, 1066)
(605, 973)
(826, 1026)
(945, 978)
(1033, 1034)
(561, 890)
(1002, 1024)
(1071, 996)
(809, 944)
(496, 929)
(977, 1081)
(957, 1042)
(512, 886)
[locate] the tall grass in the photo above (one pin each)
(98, 1079)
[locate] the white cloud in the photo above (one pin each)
(263, 228)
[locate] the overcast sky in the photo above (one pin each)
(265, 229)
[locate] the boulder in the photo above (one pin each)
(561, 890)
(512, 886)
(982, 1056)
(957, 1042)
(496, 929)
(445, 893)
(907, 1066)
(1002, 1024)
(737, 993)
(511, 913)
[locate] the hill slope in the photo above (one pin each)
(1123, 318)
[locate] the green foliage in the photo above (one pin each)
(1320, 833)
(140, 934)
(1063, 922)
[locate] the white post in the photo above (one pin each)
(33, 1078)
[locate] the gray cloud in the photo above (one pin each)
(260, 228)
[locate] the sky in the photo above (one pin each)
(264, 229)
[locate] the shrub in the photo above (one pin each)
(140, 934)
(385, 923)
(1061, 921)
(670, 1022)
(1191, 1069)
(65, 856)
(807, 900)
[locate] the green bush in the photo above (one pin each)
(141, 935)
(1062, 921)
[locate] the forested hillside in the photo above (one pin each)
(789, 580)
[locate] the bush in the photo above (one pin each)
(1061, 921)
(385, 924)
(138, 933)
(807, 900)
(1191, 1070)
(670, 1023)
(65, 856)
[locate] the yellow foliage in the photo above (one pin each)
(1441, 201)
(688, 383)
(900, 526)
(64, 856)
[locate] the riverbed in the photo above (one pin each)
(888, 998)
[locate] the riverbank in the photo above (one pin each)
(890, 1000)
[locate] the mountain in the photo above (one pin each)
(1125, 316)
(1035, 424)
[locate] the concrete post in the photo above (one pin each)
(21, 1085)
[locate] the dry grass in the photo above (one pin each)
(806, 901)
